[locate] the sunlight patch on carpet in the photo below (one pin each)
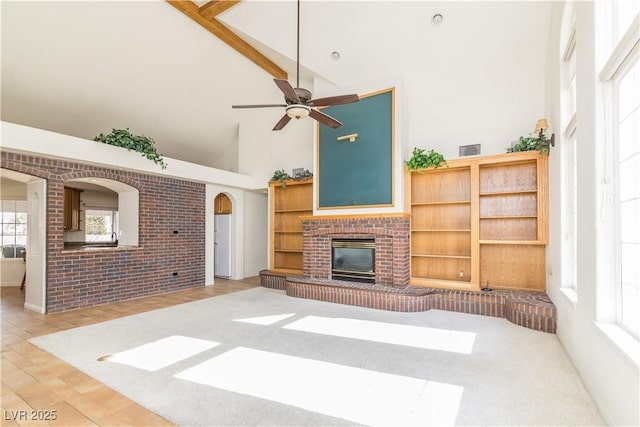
(388, 333)
(355, 394)
(161, 353)
(265, 320)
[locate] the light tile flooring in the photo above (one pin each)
(36, 385)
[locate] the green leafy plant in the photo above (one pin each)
(140, 143)
(530, 143)
(423, 160)
(283, 177)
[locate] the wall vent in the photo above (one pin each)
(469, 150)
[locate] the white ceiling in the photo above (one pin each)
(82, 68)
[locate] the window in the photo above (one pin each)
(100, 225)
(569, 158)
(620, 76)
(14, 228)
(627, 90)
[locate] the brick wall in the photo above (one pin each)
(78, 279)
(391, 234)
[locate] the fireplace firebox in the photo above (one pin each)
(353, 260)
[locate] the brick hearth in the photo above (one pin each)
(533, 310)
(390, 232)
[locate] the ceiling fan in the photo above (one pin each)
(298, 102)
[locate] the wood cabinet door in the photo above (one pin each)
(71, 208)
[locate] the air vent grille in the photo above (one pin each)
(469, 150)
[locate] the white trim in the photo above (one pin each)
(622, 342)
(34, 307)
(570, 47)
(570, 294)
(570, 129)
(625, 48)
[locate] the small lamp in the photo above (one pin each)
(298, 111)
(541, 127)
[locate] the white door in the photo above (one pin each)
(222, 246)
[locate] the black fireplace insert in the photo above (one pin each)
(353, 260)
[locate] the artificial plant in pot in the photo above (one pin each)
(140, 143)
(283, 177)
(530, 143)
(421, 159)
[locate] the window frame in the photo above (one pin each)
(617, 52)
(15, 224)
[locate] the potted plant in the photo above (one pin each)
(422, 160)
(283, 177)
(140, 143)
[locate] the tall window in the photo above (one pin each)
(570, 161)
(627, 88)
(14, 228)
(620, 75)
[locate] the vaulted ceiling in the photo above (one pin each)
(171, 70)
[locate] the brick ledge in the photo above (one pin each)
(533, 310)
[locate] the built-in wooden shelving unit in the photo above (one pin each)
(288, 204)
(480, 222)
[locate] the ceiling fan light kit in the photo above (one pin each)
(298, 111)
(298, 103)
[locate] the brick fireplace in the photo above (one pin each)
(391, 234)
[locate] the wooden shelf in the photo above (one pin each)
(484, 217)
(287, 205)
(508, 216)
(452, 202)
(308, 211)
(511, 242)
(439, 230)
(441, 256)
(508, 193)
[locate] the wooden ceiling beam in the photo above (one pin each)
(216, 28)
(214, 8)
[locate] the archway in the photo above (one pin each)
(34, 191)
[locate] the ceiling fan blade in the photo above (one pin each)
(334, 100)
(288, 90)
(259, 106)
(282, 122)
(325, 119)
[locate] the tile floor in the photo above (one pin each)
(37, 386)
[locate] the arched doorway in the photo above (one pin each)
(34, 191)
(223, 211)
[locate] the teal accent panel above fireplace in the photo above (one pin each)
(358, 173)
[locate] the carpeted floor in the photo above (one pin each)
(258, 357)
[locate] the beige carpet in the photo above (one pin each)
(258, 357)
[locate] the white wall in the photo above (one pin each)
(262, 151)
(12, 190)
(610, 374)
(256, 229)
(12, 271)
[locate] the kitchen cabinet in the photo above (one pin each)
(71, 209)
